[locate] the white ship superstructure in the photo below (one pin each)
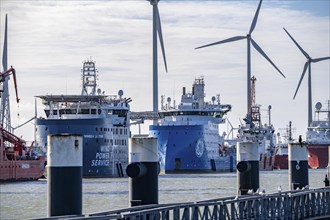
(102, 120)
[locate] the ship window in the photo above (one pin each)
(100, 129)
(96, 129)
(84, 111)
(121, 131)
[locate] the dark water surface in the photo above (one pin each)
(26, 200)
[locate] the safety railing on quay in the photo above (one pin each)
(296, 204)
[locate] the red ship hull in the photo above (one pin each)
(318, 156)
(281, 162)
(19, 170)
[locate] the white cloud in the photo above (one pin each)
(48, 40)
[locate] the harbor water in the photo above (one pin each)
(26, 200)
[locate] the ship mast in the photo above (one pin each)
(290, 132)
(255, 109)
(89, 78)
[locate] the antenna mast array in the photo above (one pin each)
(89, 78)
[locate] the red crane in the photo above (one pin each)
(6, 73)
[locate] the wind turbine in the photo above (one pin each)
(5, 104)
(308, 65)
(249, 39)
(157, 28)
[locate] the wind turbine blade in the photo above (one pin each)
(301, 78)
(302, 50)
(256, 46)
(320, 59)
(4, 53)
(255, 19)
(160, 35)
(223, 41)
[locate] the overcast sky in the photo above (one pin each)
(48, 40)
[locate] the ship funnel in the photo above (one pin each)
(183, 90)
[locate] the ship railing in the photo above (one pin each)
(297, 204)
(145, 115)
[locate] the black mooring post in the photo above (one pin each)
(143, 170)
(326, 181)
(247, 167)
(298, 165)
(64, 175)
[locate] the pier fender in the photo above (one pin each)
(243, 166)
(136, 170)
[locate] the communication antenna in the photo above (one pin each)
(213, 99)
(120, 93)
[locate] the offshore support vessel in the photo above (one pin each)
(254, 130)
(188, 134)
(102, 120)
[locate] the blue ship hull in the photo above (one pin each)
(100, 159)
(186, 149)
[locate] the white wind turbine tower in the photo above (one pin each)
(249, 39)
(308, 65)
(5, 104)
(157, 28)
